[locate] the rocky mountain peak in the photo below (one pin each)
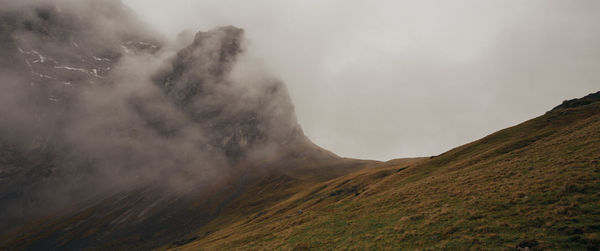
(92, 103)
(240, 116)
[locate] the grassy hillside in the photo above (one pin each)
(149, 216)
(533, 185)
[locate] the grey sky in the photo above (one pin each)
(389, 79)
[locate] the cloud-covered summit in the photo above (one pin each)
(94, 102)
(239, 115)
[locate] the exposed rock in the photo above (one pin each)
(161, 151)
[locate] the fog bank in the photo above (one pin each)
(390, 79)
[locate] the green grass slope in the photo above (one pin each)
(535, 185)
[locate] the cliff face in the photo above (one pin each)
(238, 117)
(93, 106)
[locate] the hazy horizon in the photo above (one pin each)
(390, 79)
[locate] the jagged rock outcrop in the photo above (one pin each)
(239, 117)
(97, 121)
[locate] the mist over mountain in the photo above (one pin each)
(113, 136)
(93, 102)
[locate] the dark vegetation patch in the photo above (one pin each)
(184, 241)
(345, 191)
(528, 244)
(578, 102)
(382, 174)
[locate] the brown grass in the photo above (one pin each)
(535, 184)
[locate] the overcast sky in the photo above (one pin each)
(389, 79)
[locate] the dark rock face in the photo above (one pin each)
(197, 82)
(90, 108)
(49, 55)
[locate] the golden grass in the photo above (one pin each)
(534, 184)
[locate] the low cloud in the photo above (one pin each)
(94, 102)
(391, 79)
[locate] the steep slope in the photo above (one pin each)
(533, 185)
(111, 140)
(51, 56)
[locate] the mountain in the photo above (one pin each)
(105, 122)
(114, 137)
(535, 185)
(53, 55)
